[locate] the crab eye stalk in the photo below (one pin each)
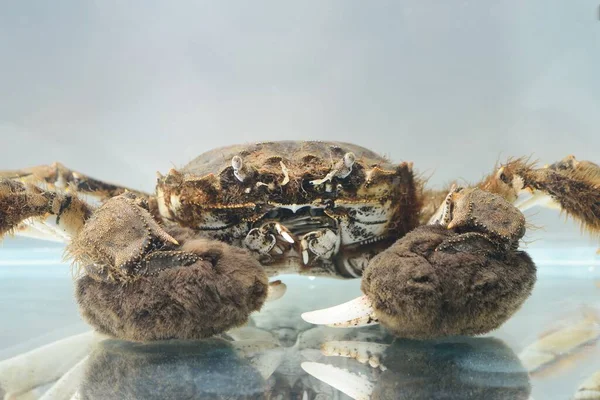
(237, 164)
(342, 169)
(349, 159)
(501, 174)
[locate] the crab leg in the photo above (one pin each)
(57, 177)
(47, 213)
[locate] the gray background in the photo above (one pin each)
(120, 90)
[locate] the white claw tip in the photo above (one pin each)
(354, 313)
(284, 234)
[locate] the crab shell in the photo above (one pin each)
(361, 197)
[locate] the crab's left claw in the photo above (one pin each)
(462, 278)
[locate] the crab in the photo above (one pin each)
(194, 259)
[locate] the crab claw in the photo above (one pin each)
(466, 278)
(355, 313)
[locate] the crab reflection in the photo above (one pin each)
(452, 368)
(208, 369)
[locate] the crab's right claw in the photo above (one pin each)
(460, 279)
(569, 185)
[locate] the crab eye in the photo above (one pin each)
(502, 176)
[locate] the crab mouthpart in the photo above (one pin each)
(284, 233)
(353, 314)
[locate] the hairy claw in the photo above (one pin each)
(192, 300)
(117, 239)
(25, 204)
(569, 184)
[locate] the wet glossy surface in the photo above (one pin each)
(264, 360)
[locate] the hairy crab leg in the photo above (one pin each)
(354, 313)
(48, 213)
(38, 230)
(570, 185)
(57, 177)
